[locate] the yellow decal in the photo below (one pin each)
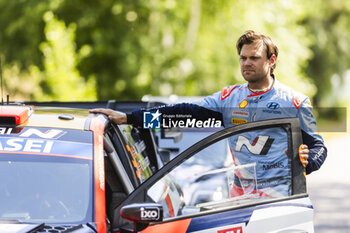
(237, 121)
(308, 104)
(243, 104)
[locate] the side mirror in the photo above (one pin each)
(142, 214)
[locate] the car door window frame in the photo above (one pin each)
(118, 168)
(119, 143)
(291, 125)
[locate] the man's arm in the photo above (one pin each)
(317, 150)
(136, 117)
(184, 109)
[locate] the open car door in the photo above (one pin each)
(262, 189)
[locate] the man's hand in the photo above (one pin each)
(115, 116)
(303, 154)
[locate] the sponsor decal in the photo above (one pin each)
(100, 162)
(273, 105)
(150, 213)
(48, 134)
(243, 104)
(272, 108)
(272, 166)
(226, 91)
(139, 162)
(319, 154)
(44, 146)
(260, 146)
(272, 111)
(267, 183)
(308, 103)
(5, 130)
(232, 230)
(26, 145)
(151, 120)
(297, 102)
(240, 113)
(237, 121)
(140, 145)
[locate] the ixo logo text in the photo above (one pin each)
(150, 214)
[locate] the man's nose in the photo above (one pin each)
(247, 62)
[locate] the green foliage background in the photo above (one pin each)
(123, 49)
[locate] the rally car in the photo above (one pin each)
(64, 170)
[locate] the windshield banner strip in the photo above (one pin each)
(45, 147)
(43, 154)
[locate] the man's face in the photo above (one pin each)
(255, 66)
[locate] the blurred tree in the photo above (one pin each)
(62, 79)
(21, 31)
(328, 23)
(130, 48)
(183, 47)
(21, 85)
(131, 44)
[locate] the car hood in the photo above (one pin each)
(34, 227)
(19, 227)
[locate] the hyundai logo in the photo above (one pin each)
(273, 105)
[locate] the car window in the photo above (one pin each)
(137, 152)
(177, 140)
(256, 168)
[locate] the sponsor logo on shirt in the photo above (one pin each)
(243, 104)
(237, 121)
(240, 113)
(260, 146)
(272, 108)
(273, 105)
(272, 166)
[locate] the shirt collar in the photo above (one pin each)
(268, 91)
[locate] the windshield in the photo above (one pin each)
(36, 189)
(54, 187)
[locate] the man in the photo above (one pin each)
(255, 100)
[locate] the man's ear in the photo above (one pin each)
(272, 60)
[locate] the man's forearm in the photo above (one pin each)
(317, 152)
(195, 111)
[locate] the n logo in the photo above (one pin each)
(260, 146)
(49, 134)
